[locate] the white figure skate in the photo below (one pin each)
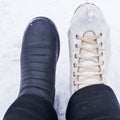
(89, 44)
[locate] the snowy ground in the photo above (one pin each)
(15, 15)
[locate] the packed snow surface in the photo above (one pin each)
(15, 16)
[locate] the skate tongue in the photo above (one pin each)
(90, 63)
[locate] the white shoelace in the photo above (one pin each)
(88, 45)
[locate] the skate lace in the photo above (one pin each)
(85, 71)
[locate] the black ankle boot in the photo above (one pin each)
(40, 52)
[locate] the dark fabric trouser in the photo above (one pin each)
(96, 102)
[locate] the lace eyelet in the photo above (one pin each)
(101, 53)
(75, 56)
(76, 36)
(101, 44)
(73, 74)
(100, 34)
(74, 83)
(76, 46)
(74, 65)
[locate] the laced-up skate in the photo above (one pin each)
(89, 42)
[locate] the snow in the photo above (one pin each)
(14, 17)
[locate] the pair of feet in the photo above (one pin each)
(88, 43)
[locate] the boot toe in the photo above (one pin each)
(41, 33)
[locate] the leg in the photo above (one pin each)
(31, 107)
(89, 42)
(96, 102)
(40, 52)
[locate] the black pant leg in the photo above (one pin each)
(30, 107)
(96, 102)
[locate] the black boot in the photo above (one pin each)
(40, 52)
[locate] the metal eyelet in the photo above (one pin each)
(100, 34)
(101, 44)
(74, 83)
(75, 56)
(76, 36)
(74, 65)
(73, 74)
(101, 53)
(76, 46)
